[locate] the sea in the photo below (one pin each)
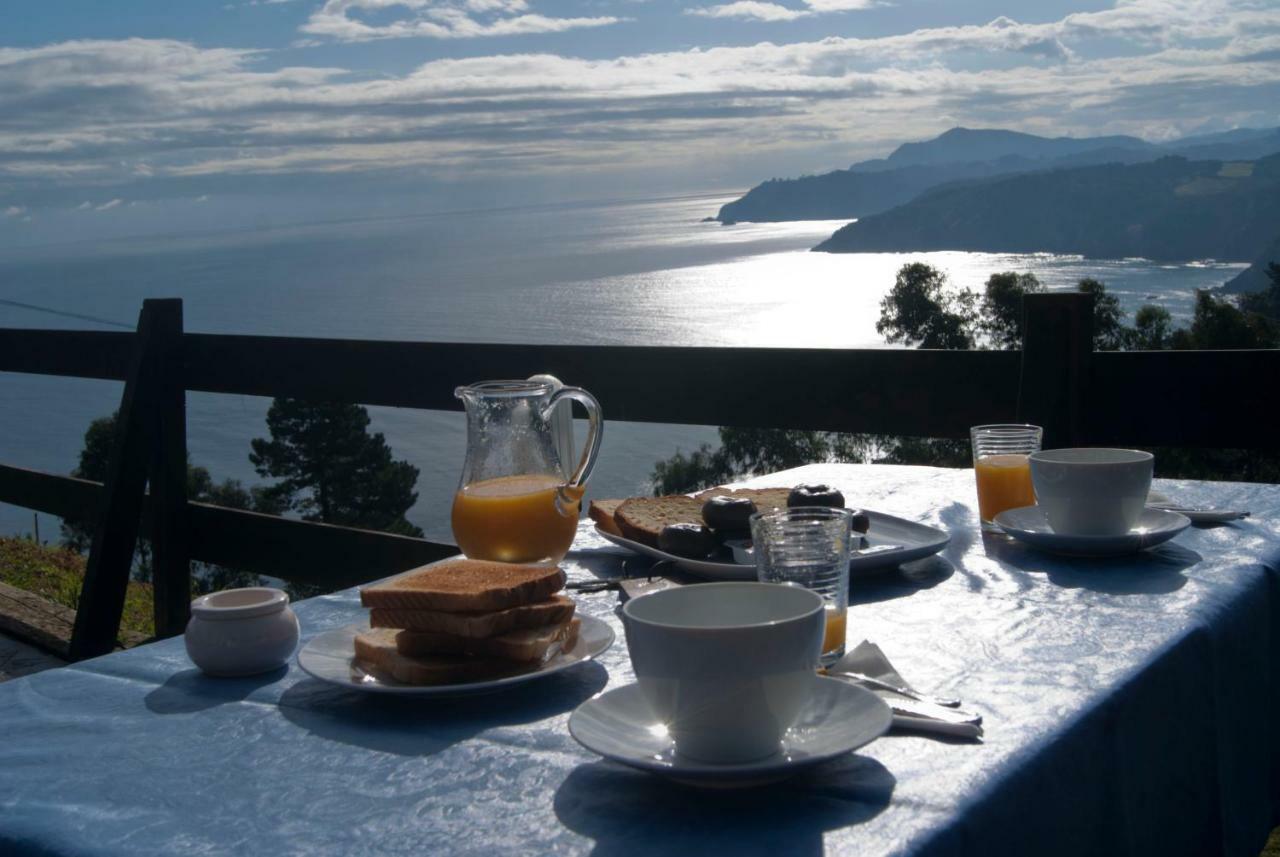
(632, 271)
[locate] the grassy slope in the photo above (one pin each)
(58, 574)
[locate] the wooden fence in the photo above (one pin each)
(1192, 398)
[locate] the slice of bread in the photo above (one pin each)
(602, 511)
(527, 644)
(466, 585)
(554, 610)
(641, 519)
(377, 649)
(764, 498)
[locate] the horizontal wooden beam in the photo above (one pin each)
(1159, 398)
(64, 496)
(1219, 399)
(303, 551)
(300, 551)
(71, 353)
(885, 391)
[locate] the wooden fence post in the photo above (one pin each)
(170, 551)
(106, 576)
(1057, 350)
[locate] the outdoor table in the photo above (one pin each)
(1130, 707)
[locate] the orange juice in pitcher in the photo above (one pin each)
(515, 502)
(516, 518)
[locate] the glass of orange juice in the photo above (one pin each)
(1001, 467)
(809, 546)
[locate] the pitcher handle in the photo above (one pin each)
(595, 430)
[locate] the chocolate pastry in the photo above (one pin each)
(861, 523)
(688, 540)
(729, 516)
(815, 495)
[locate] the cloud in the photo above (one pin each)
(15, 211)
(84, 206)
(352, 20)
(749, 9)
(765, 11)
(109, 204)
(85, 114)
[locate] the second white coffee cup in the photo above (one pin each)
(1092, 492)
(726, 667)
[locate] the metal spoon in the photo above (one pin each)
(1201, 514)
(861, 678)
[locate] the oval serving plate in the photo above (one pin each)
(891, 541)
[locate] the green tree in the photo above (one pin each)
(920, 311)
(1002, 308)
(1219, 323)
(94, 460)
(1265, 303)
(1109, 330)
(1153, 328)
(331, 469)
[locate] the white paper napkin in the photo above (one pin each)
(868, 659)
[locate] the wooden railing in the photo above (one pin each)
(1195, 398)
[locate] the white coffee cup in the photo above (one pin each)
(726, 667)
(1092, 492)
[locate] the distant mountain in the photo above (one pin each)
(1233, 146)
(869, 187)
(961, 145)
(1254, 278)
(1166, 210)
(844, 194)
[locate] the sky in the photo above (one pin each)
(129, 117)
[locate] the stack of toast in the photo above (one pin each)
(466, 620)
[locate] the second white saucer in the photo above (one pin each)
(838, 718)
(1029, 524)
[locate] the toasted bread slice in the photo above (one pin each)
(377, 649)
(641, 519)
(764, 498)
(466, 585)
(556, 609)
(526, 644)
(601, 511)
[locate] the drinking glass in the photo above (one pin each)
(1000, 465)
(809, 546)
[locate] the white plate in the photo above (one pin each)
(838, 719)
(331, 657)
(1029, 524)
(917, 541)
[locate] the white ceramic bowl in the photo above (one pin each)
(726, 667)
(1092, 492)
(240, 632)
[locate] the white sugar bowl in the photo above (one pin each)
(240, 632)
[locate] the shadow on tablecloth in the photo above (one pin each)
(406, 727)
(631, 812)
(1155, 571)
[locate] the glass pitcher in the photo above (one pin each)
(514, 503)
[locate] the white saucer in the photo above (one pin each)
(331, 657)
(839, 718)
(1028, 524)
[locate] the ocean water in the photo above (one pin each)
(628, 272)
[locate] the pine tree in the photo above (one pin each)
(331, 469)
